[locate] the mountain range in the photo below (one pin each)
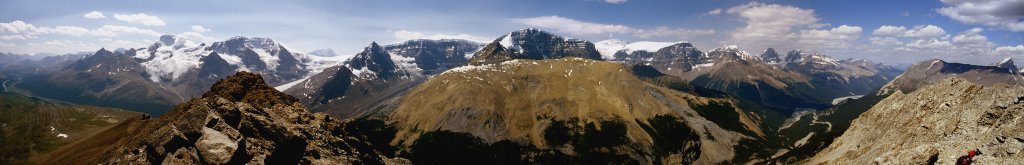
(527, 97)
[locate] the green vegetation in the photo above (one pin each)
(26, 123)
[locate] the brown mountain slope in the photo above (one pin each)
(936, 124)
(577, 109)
(241, 120)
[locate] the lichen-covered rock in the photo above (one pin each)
(936, 124)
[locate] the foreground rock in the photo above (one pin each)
(936, 124)
(240, 121)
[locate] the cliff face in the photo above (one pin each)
(240, 120)
(936, 124)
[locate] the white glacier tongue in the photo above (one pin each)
(171, 57)
(648, 46)
(609, 47)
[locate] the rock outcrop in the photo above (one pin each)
(240, 120)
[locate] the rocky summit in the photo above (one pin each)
(241, 120)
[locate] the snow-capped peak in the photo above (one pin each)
(1007, 63)
(508, 43)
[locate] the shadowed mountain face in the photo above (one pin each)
(533, 44)
(240, 120)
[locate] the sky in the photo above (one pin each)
(892, 32)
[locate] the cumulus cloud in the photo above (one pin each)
(572, 26)
(925, 31)
(405, 35)
(197, 36)
(114, 31)
(19, 30)
(714, 12)
(16, 30)
(787, 27)
(889, 30)
(1011, 50)
(615, 1)
(94, 15)
(199, 29)
(1005, 14)
(836, 37)
(141, 18)
(70, 46)
(920, 31)
(576, 27)
(665, 31)
(886, 41)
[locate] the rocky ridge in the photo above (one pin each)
(936, 124)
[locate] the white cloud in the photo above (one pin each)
(921, 31)
(665, 31)
(70, 46)
(19, 30)
(971, 36)
(836, 37)
(1011, 50)
(714, 12)
(615, 1)
(114, 31)
(787, 27)
(771, 20)
(886, 41)
(932, 44)
(197, 36)
(200, 29)
(1005, 14)
(572, 26)
(925, 31)
(65, 30)
(94, 15)
(16, 30)
(576, 27)
(405, 35)
(889, 30)
(141, 18)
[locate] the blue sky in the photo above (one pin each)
(978, 32)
